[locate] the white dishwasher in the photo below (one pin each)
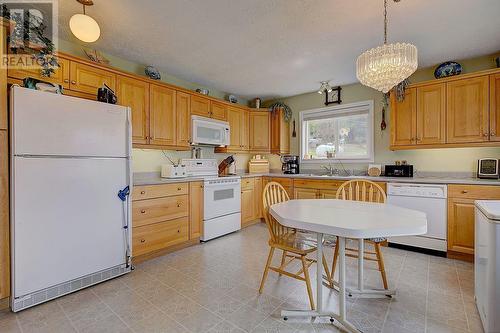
(427, 198)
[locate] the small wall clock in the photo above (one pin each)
(333, 97)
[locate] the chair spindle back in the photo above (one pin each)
(361, 190)
(274, 193)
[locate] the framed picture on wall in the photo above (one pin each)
(333, 97)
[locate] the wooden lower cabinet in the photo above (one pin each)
(251, 200)
(247, 206)
(258, 197)
(305, 193)
(160, 217)
(158, 236)
(196, 210)
(461, 214)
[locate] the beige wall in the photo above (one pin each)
(434, 160)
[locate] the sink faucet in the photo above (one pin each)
(330, 169)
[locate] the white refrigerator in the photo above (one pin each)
(70, 157)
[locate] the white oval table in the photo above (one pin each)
(345, 219)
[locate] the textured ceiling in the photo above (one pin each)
(274, 48)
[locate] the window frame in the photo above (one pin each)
(340, 109)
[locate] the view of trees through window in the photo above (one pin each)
(342, 137)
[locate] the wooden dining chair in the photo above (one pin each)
(368, 191)
(294, 244)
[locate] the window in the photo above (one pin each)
(343, 132)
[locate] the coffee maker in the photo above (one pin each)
(290, 164)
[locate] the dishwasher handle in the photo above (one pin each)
(438, 191)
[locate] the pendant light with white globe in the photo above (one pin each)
(84, 27)
(385, 66)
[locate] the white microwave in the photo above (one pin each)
(207, 131)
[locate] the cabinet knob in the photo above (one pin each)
(485, 135)
(492, 134)
(143, 192)
(178, 231)
(66, 80)
(178, 205)
(465, 191)
(143, 240)
(143, 211)
(73, 82)
(179, 188)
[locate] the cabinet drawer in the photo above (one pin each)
(151, 211)
(158, 191)
(247, 183)
(317, 184)
(474, 192)
(158, 236)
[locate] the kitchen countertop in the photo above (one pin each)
(153, 178)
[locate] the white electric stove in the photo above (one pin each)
(222, 198)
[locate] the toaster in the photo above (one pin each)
(173, 171)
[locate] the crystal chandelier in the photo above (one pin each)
(385, 66)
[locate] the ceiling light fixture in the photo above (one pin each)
(325, 86)
(84, 27)
(385, 66)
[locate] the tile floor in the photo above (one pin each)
(212, 288)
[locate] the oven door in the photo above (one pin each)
(221, 197)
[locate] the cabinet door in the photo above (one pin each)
(431, 114)
(234, 119)
(461, 225)
(218, 110)
(305, 193)
(260, 139)
(182, 109)
(135, 94)
(258, 197)
(61, 75)
(162, 119)
(245, 130)
(467, 110)
(328, 194)
(200, 106)
(280, 133)
(4, 216)
(196, 209)
(495, 107)
(403, 119)
(88, 79)
(247, 206)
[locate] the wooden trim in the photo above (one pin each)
(250, 223)
(151, 255)
(460, 256)
(456, 77)
(5, 303)
(448, 145)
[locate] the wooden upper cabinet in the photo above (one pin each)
(495, 107)
(245, 129)
(183, 112)
(431, 114)
(135, 94)
(467, 110)
(61, 75)
(162, 116)
(218, 110)
(260, 131)
(200, 106)
(234, 116)
(280, 133)
(87, 79)
(403, 119)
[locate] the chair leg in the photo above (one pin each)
(283, 258)
(381, 266)
(266, 270)
(308, 282)
(334, 263)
